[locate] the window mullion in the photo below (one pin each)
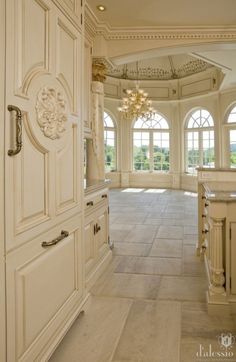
(151, 150)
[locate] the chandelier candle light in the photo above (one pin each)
(136, 104)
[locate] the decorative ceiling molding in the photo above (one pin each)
(220, 33)
(156, 73)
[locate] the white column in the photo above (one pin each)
(96, 167)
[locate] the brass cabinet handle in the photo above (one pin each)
(18, 119)
(203, 197)
(104, 196)
(90, 203)
(64, 234)
(97, 228)
(206, 204)
(205, 231)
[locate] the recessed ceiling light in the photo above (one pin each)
(101, 7)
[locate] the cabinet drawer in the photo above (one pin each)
(95, 199)
(42, 283)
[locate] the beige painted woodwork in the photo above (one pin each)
(97, 251)
(217, 237)
(43, 192)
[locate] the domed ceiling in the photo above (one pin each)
(161, 68)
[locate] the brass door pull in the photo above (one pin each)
(18, 119)
(64, 234)
(96, 229)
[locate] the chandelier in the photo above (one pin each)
(136, 104)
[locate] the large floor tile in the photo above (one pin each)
(135, 249)
(167, 248)
(192, 264)
(94, 336)
(142, 233)
(149, 265)
(183, 288)
(170, 232)
(197, 323)
(129, 286)
(151, 333)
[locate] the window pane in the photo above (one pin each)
(110, 151)
(108, 122)
(161, 151)
(192, 152)
(141, 154)
(232, 116)
(232, 137)
(156, 122)
(208, 149)
(200, 119)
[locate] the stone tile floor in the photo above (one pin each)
(149, 305)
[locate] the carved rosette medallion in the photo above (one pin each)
(51, 112)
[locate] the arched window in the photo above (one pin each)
(231, 120)
(199, 141)
(151, 144)
(109, 143)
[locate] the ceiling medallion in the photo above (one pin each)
(51, 112)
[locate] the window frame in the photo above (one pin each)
(151, 132)
(113, 129)
(229, 126)
(200, 131)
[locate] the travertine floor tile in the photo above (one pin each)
(142, 233)
(133, 249)
(151, 333)
(166, 248)
(149, 265)
(129, 286)
(197, 323)
(93, 336)
(192, 265)
(170, 232)
(183, 288)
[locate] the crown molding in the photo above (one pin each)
(216, 33)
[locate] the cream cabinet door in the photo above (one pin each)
(43, 183)
(102, 233)
(43, 79)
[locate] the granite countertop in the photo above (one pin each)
(220, 192)
(93, 185)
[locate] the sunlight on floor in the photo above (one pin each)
(132, 190)
(155, 191)
(192, 194)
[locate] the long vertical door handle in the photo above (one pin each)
(18, 119)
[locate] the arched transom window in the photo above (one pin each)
(231, 120)
(151, 144)
(199, 141)
(109, 143)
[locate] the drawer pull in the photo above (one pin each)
(205, 231)
(206, 204)
(203, 215)
(90, 203)
(104, 196)
(203, 197)
(64, 234)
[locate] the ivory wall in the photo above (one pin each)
(176, 112)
